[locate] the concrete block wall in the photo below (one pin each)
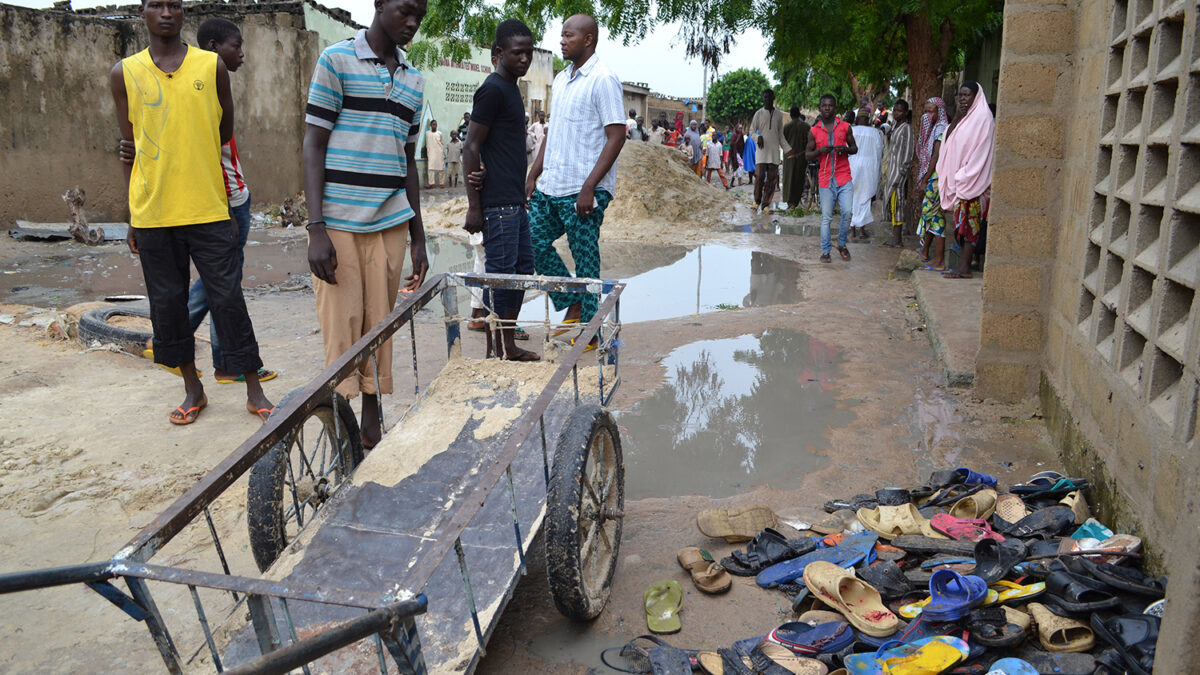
(58, 127)
(1036, 85)
(1094, 252)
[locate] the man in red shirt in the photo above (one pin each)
(831, 142)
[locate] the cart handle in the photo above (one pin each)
(56, 576)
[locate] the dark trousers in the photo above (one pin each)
(764, 187)
(508, 249)
(165, 253)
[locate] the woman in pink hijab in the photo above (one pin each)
(965, 171)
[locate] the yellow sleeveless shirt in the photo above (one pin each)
(176, 119)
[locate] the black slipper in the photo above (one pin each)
(641, 658)
(887, 578)
(952, 493)
(1043, 523)
(917, 543)
(1079, 594)
(990, 627)
(1134, 636)
(937, 481)
(1125, 579)
(765, 549)
(862, 501)
(1058, 664)
(994, 559)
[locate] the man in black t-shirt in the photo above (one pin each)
(497, 137)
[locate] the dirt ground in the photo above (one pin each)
(87, 458)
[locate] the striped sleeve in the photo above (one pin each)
(609, 101)
(324, 94)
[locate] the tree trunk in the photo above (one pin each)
(926, 59)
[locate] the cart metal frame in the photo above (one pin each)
(388, 616)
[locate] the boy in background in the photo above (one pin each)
(453, 159)
(174, 103)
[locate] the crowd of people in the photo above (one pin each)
(529, 183)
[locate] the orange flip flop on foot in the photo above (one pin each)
(185, 417)
(263, 413)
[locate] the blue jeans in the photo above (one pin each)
(198, 297)
(508, 249)
(843, 194)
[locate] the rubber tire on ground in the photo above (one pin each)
(564, 507)
(94, 325)
(265, 494)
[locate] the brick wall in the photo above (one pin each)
(1094, 262)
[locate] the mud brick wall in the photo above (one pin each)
(1089, 298)
(58, 127)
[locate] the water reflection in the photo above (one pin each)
(733, 414)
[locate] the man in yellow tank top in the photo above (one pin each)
(174, 103)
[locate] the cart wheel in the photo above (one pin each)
(291, 482)
(584, 507)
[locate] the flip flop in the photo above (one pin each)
(663, 601)
(1125, 579)
(642, 658)
(997, 626)
(737, 524)
(262, 413)
(960, 529)
(187, 416)
(890, 522)
(846, 554)
(1010, 509)
(1011, 591)
(933, 654)
(708, 575)
(765, 549)
(912, 610)
(772, 659)
(953, 595)
(263, 376)
(590, 348)
(931, 268)
(1078, 505)
(972, 478)
(520, 334)
(564, 331)
(1079, 594)
(835, 522)
(1060, 634)
(804, 639)
(857, 600)
(861, 501)
(1043, 523)
(723, 662)
(887, 578)
(1058, 664)
(995, 559)
(1012, 666)
(1134, 636)
(920, 544)
(980, 505)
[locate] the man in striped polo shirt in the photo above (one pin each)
(363, 114)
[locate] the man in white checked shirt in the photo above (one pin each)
(574, 175)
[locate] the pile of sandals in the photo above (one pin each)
(953, 576)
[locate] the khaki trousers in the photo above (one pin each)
(368, 275)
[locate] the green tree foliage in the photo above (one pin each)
(735, 96)
(804, 87)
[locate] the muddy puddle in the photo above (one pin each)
(662, 281)
(734, 414)
(779, 226)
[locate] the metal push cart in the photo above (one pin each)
(357, 576)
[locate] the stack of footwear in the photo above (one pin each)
(953, 576)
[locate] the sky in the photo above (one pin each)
(658, 60)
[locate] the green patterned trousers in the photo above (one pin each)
(549, 219)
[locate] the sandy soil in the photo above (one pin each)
(86, 458)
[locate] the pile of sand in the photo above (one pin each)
(657, 193)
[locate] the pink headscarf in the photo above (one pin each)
(965, 164)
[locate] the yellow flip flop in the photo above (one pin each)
(562, 331)
(663, 601)
(1010, 590)
(174, 370)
